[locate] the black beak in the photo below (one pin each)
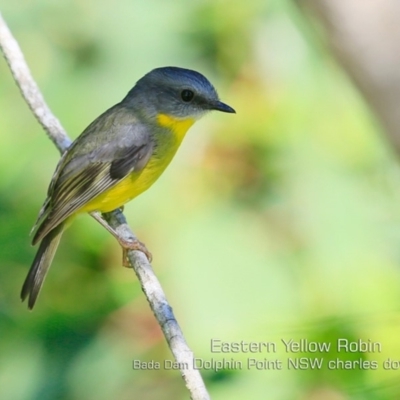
(220, 106)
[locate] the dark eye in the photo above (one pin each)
(187, 95)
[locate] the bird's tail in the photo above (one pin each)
(44, 256)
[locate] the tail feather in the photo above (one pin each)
(41, 265)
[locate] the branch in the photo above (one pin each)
(149, 282)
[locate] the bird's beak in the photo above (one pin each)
(220, 106)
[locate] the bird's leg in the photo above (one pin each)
(133, 244)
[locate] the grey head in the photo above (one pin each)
(178, 92)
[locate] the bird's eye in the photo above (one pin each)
(187, 95)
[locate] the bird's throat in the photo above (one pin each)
(178, 126)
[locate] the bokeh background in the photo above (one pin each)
(279, 222)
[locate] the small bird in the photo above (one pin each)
(119, 156)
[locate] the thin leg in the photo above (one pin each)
(126, 245)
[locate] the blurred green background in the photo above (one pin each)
(279, 222)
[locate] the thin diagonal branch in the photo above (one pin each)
(29, 89)
(149, 282)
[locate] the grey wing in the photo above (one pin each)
(45, 207)
(86, 175)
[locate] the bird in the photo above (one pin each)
(119, 156)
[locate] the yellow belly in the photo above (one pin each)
(137, 182)
(126, 190)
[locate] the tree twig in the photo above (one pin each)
(149, 282)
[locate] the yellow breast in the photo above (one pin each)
(167, 143)
(178, 126)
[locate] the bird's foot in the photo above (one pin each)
(133, 244)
